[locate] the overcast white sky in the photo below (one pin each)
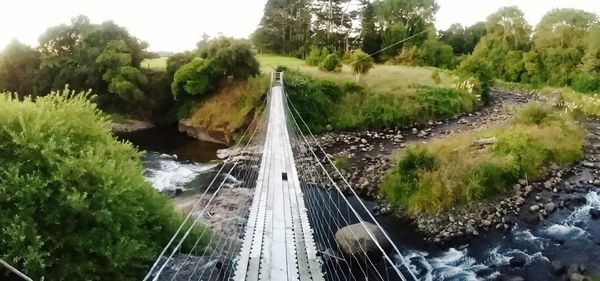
(177, 25)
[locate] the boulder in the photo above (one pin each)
(550, 207)
(519, 260)
(355, 239)
(595, 213)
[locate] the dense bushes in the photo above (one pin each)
(370, 110)
(349, 106)
(73, 202)
(331, 63)
(457, 170)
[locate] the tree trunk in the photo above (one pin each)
(357, 77)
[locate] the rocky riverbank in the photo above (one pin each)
(130, 125)
(369, 155)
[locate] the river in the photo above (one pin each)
(173, 161)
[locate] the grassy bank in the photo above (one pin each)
(228, 108)
(462, 168)
(347, 105)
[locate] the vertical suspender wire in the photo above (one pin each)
(361, 203)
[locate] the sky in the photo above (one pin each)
(177, 25)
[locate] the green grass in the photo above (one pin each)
(155, 64)
(270, 62)
(455, 170)
(227, 109)
(381, 79)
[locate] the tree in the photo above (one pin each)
(284, 27)
(563, 28)
(370, 37)
(234, 57)
(331, 63)
(508, 25)
(123, 79)
(70, 55)
(332, 23)
(402, 19)
(74, 204)
(463, 39)
(435, 53)
(361, 63)
(19, 68)
(196, 78)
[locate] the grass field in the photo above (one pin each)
(382, 79)
(154, 64)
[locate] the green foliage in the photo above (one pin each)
(480, 69)
(331, 63)
(19, 66)
(74, 204)
(435, 53)
(289, 17)
(368, 110)
(341, 162)
(312, 98)
(398, 23)
(361, 63)
(456, 170)
(463, 39)
(435, 76)
(196, 78)
(586, 82)
(315, 56)
(234, 57)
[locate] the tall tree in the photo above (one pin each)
(332, 23)
(18, 69)
(508, 25)
(370, 37)
(284, 27)
(402, 19)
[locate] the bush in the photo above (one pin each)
(435, 76)
(456, 170)
(586, 82)
(196, 78)
(331, 63)
(314, 57)
(312, 98)
(233, 56)
(74, 204)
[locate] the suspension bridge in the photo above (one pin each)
(289, 230)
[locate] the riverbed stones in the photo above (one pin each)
(511, 278)
(550, 207)
(534, 208)
(355, 238)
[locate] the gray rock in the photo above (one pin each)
(329, 128)
(534, 208)
(351, 238)
(588, 164)
(550, 207)
(547, 184)
(487, 223)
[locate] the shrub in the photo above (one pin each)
(233, 56)
(435, 76)
(196, 78)
(361, 63)
(341, 162)
(314, 57)
(74, 204)
(312, 98)
(586, 82)
(331, 63)
(463, 171)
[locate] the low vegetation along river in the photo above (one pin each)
(569, 237)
